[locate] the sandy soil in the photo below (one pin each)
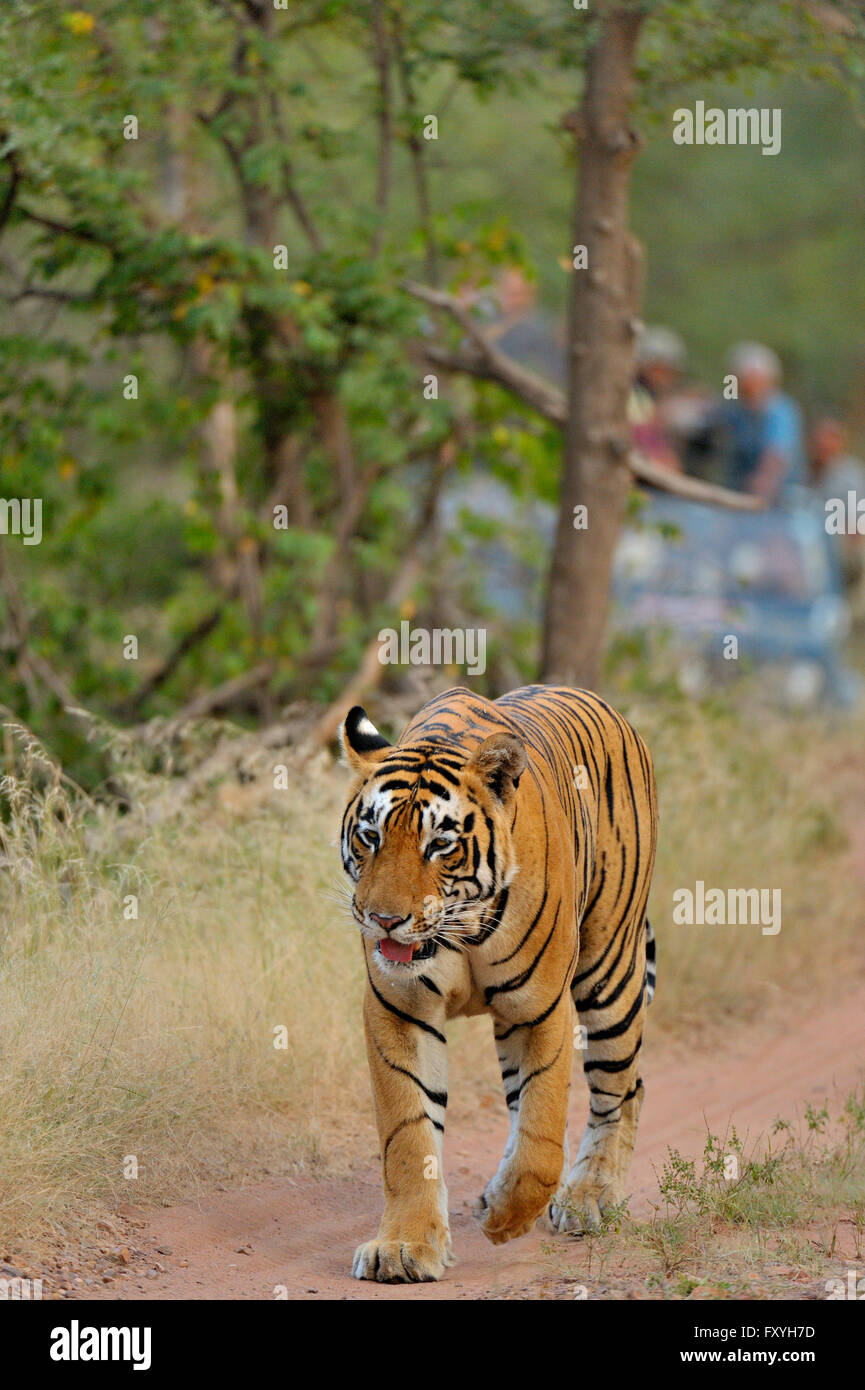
(300, 1233)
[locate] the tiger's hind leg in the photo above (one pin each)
(611, 1008)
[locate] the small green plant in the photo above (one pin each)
(770, 1188)
(673, 1240)
(816, 1120)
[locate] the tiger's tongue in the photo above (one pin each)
(395, 950)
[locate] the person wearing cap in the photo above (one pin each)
(766, 451)
(834, 470)
(837, 475)
(660, 359)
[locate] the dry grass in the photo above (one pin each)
(155, 1037)
(770, 804)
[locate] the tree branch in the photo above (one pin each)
(202, 629)
(381, 61)
(54, 296)
(410, 572)
(64, 229)
(495, 366)
(10, 194)
(289, 185)
(222, 697)
(487, 362)
(692, 489)
(28, 658)
(416, 151)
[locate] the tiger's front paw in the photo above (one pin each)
(510, 1205)
(398, 1262)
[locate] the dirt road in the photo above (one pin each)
(300, 1234)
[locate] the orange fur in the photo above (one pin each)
(510, 846)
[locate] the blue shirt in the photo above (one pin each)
(777, 425)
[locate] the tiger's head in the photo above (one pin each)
(426, 836)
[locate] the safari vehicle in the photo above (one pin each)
(771, 580)
(700, 574)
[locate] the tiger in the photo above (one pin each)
(499, 858)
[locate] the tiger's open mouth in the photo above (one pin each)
(405, 952)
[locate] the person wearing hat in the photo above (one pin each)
(660, 359)
(765, 441)
(837, 476)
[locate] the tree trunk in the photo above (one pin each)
(601, 329)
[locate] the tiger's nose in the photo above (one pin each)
(386, 923)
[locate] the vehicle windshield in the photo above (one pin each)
(684, 549)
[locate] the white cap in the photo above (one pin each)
(754, 357)
(660, 344)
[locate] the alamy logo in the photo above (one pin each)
(77, 1343)
(736, 126)
(21, 516)
(845, 518)
(713, 907)
(17, 1288)
(442, 646)
(853, 1288)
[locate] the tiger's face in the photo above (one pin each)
(426, 837)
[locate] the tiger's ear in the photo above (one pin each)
(499, 762)
(361, 741)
